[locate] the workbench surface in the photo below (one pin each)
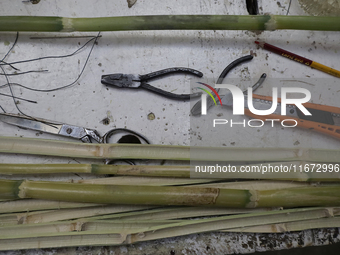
(90, 104)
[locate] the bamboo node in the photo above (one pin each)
(253, 199)
(279, 228)
(125, 239)
(271, 24)
(22, 189)
(329, 212)
(21, 219)
(215, 195)
(77, 226)
(67, 25)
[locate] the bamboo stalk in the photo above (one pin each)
(168, 22)
(168, 195)
(128, 227)
(97, 169)
(173, 171)
(179, 213)
(154, 181)
(29, 205)
(66, 214)
(169, 152)
(61, 241)
(67, 227)
(259, 185)
(145, 181)
(130, 233)
(290, 226)
(227, 222)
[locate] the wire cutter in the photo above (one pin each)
(136, 81)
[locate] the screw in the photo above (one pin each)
(69, 130)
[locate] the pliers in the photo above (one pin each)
(135, 81)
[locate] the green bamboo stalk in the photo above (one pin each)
(130, 233)
(29, 205)
(168, 22)
(169, 152)
(124, 226)
(290, 226)
(61, 241)
(259, 185)
(173, 171)
(67, 214)
(228, 222)
(88, 228)
(178, 213)
(145, 181)
(153, 181)
(12, 169)
(97, 169)
(171, 195)
(66, 227)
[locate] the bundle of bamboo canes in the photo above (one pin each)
(143, 203)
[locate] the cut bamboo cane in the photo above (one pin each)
(129, 227)
(174, 171)
(179, 213)
(171, 195)
(259, 185)
(290, 226)
(169, 22)
(145, 181)
(66, 214)
(153, 181)
(67, 227)
(99, 233)
(29, 205)
(214, 224)
(168, 152)
(62, 241)
(133, 170)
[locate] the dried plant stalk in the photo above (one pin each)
(171, 195)
(169, 22)
(170, 152)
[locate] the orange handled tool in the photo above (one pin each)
(324, 119)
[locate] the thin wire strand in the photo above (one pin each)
(15, 42)
(290, 2)
(12, 94)
(32, 71)
(65, 86)
(5, 63)
(61, 37)
(52, 57)
(2, 109)
(27, 100)
(50, 90)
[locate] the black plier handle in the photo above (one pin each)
(120, 80)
